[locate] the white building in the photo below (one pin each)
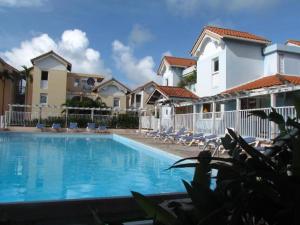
(171, 69)
(236, 72)
(231, 64)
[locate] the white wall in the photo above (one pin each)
(245, 62)
(271, 64)
(50, 63)
(291, 64)
(172, 76)
(210, 49)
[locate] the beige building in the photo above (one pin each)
(114, 94)
(53, 82)
(9, 78)
(138, 97)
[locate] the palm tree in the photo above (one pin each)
(26, 75)
(5, 75)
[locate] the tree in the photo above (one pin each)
(26, 75)
(84, 102)
(4, 76)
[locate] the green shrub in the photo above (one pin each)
(252, 188)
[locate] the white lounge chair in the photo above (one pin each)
(175, 136)
(90, 127)
(73, 127)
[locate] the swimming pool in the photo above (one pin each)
(47, 166)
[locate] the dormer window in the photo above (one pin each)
(215, 65)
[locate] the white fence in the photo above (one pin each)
(216, 123)
(20, 115)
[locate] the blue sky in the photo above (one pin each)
(127, 38)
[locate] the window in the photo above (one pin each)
(43, 99)
(76, 82)
(138, 100)
(116, 102)
(167, 82)
(215, 65)
(44, 80)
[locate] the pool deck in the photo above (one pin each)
(176, 149)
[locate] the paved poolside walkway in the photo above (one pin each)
(176, 149)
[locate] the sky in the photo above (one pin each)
(126, 39)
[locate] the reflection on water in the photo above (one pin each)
(44, 167)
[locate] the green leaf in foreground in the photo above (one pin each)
(153, 210)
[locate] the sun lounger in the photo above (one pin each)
(91, 127)
(102, 129)
(162, 135)
(175, 136)
(72, 127)
(190, 139)
(56, 127)
(40, 126)
(151, 133)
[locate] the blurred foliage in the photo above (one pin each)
(253, 186)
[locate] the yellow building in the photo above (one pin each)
(114, 94)
(9, 78)
(53, 82)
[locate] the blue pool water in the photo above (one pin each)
(43, 166)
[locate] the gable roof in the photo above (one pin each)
(144, 86)
(171, 93)
(223, 33)
(58, 57)
(177, 92)
(294, 42)
(111, 81)
(264, 82)
(176, 62)
(8, 67)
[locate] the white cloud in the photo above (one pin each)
(166, 53)
(191, 7)
(21, 3)
(137, 71)
(139, 35)
(221, 23)
(73, 46)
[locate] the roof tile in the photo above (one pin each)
(176, 61)
(177, 92)
(294, 42)
(268, 81)
(235, 33)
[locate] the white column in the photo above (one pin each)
(134, 102)
(273, 100)
(273, 125)
(237, 115)
(155, 111)
(173, 116)
(213, 117)
(160, 118)
(194, 118)
(92, 115)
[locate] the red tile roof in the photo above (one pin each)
(176, 61)
(294, 42)
(228, 33)
(176, 92)
(268, 81)
(223, 32)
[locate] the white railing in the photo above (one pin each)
(184, 120)
(150, 122)
(217, 122)
(28, 116)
